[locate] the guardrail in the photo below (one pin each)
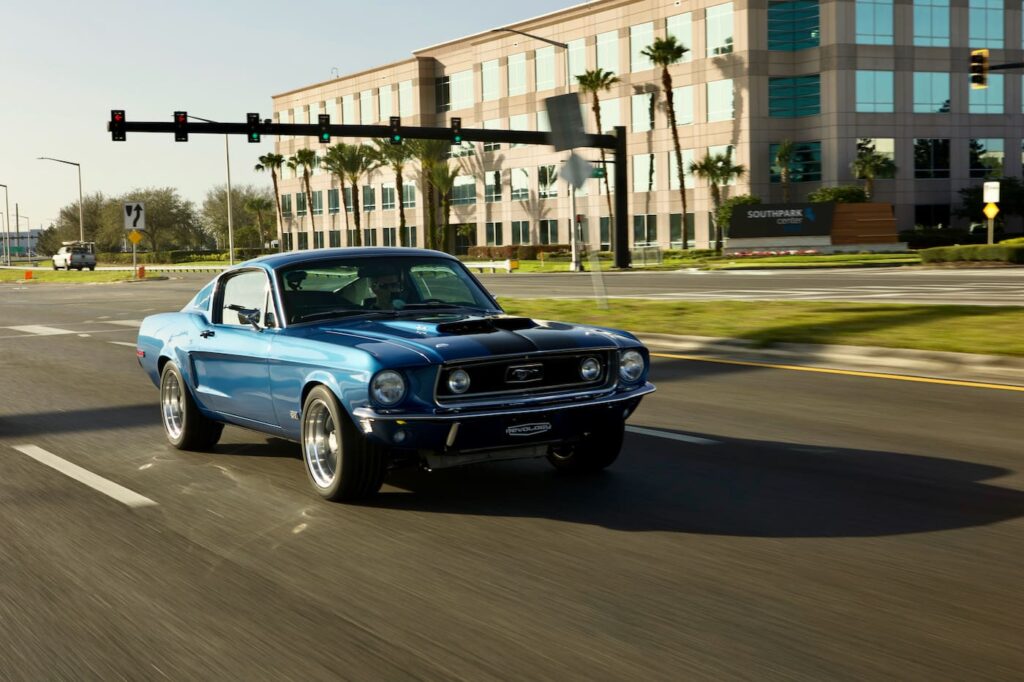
(492, 265)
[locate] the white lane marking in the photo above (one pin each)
(696, 440)
(84, 336)
(40, 330)
(98, 483)
(122, 343)
(126, 323)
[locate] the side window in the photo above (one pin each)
(248, 290)
(440, 283)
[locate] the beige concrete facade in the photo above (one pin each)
(750, 130)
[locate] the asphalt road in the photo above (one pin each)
(773, 525)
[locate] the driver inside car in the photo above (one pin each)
(386, 285)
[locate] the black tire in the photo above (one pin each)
(595, 452)
(341, 464)
(91, 268)
(185, 426)
(55, 266)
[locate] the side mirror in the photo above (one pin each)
(247, 316)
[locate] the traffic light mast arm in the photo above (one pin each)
(1003, 67)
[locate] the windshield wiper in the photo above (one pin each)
(338, 312)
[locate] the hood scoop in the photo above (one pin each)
(486, 325)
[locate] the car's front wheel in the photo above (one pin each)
(341, 464)
(186, 427)
(593, 452)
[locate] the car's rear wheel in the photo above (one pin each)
(54, 266)
(185, 426)
(341, 464)
(594, 452)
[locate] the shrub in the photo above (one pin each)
(999, 253)
(844, 194)
(930, 237)
(1016, 241)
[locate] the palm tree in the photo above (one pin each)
(717, 170)
(442, 178)
(272, 163)
(306, 160)
(784, 160)
(429, 153)
(664, 52)
(597, 81)
(333, 164)
(395, 156)
(356, 160)
(869, 165)
(259, 205)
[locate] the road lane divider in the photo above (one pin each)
(695, 440)
(846, 372)
(123, 343)
(109, 488)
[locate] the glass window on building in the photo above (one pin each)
(794, 97)
(543, 122)
(547, 231)
(931, 158)
(547, 181)
(883, 146)
(318, 239)
(682, 101)
(333, 201)
(520, 184)
(874, 22)
(645, 230)
(643, 111)
(405, 98)
(462, 90)
(986, 156)
(369, 198)
(931, 23)
(520, 232)
(805, 165)
(387, 196)
(519, 122)
(718, 29)
(492, 186)
(985, 23)
(932, 215)
(286, 205)
(490, 74)
(931, 92)
(987, 100)
(288, 243)
(516, 74)
(408, 195)
(348, 110)
(608, 51)
(673, 170)
(641, 37)
(300, 204)
(680, 26)
(390, 235)
(347, 195)
(605, 233)
(384, 102)
(495, 235)
(793, 25)
(544, 68)
(366, 116)
(875, 92)
(720, 100)
(303, 240)
(318, 202)
(610, 116)
(643, 173)
(443, 93)
(407, 235)
(675, 231)
(334, 238)
(577, 58)
(369, 237)
(464, 190)
(492, 124)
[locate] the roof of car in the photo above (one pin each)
(278, 260)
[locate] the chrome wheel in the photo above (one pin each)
(172, 405)
(320, 444)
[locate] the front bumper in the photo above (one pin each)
(506, 432)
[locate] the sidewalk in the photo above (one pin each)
(995, 369)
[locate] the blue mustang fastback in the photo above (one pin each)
(372, 358)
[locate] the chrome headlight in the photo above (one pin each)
(387, 387)
(631, 365)
(458, 381)
(590, 369)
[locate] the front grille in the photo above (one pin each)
(554, 372)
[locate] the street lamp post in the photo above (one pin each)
(7, 225)
(227, 163)
(81, 221)
(575, 266)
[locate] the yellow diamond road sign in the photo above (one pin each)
(991, 211)
(135, 236)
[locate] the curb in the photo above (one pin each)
(998, 369)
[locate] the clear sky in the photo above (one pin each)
(64, 64)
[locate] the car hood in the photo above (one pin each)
(444, 339)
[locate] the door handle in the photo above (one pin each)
(207, 334)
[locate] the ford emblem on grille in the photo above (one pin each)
(523, 374)
(528, 429)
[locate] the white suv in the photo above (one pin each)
(78, 255)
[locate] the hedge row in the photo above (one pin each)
(520, 251)
(177, 256)
(999, 253)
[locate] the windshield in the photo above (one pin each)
(347, 287)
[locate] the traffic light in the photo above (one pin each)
(979, 69)
(396, 130)
(252, 125)
(323, 121)
(180, 126)
(456, 130)
(117, 125)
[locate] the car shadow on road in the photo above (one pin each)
(79, 421)
(735, 488)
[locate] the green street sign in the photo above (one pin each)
(597, 172)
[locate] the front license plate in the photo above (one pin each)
(523, 430)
